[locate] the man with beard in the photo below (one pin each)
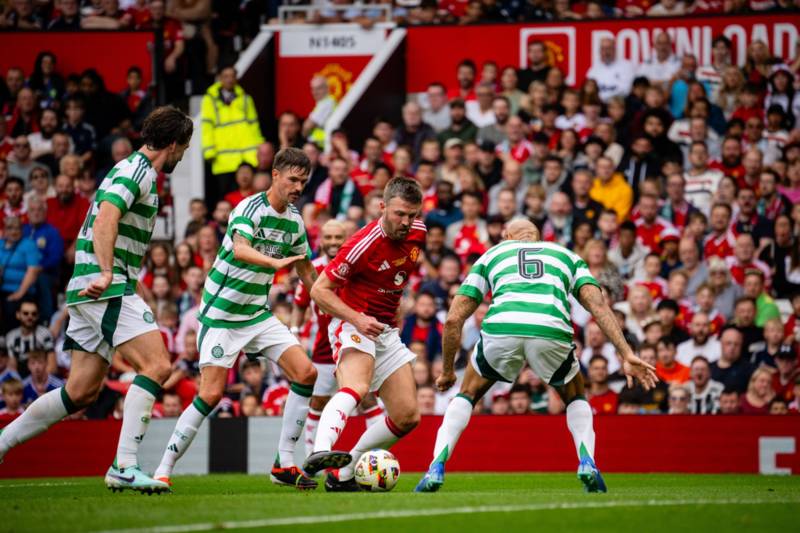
(14, 205)
(753, 163)
(702, 182)
(537, 68)
(339, 192)
(496, 132)
(106, 316)
(749, 221)
(649, 226)
(67, 212)
(655, 130)
(584, 208)
(731, 162)
(413, 131)
(332, 236)
(744, 259)
(558, 227)
(465, 76)
(700, 343)
(771, 203)
(638, 164)
(489, 167)
(460, 126)
(265, 234)
(446, 211)
(60, 146)
(42, 140)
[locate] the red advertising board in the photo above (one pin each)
(691, 444)
(433, 52)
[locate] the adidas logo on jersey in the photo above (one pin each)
(384, 266)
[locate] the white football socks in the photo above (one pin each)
(312, 421)
(455, 421)
(295, 411)
(579, 422)
(136, 415)
(334, 417)
(185, 430)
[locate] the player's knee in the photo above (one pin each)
(85, 396)
(210, 397)
(307, 376)
(408, 420)
(159, 370)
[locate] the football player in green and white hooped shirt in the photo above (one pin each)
(528, 321)
(265, 234)
(105, 313)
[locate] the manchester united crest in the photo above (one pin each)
(355, 338)
(414, 254)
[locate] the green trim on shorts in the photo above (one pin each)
(108, 325)
(302, 390)
(202, 406)
(72, 344)
(147, 384)
(69, 405)
(466, 397)
(201, 336)
(484, 368)
(561, 372)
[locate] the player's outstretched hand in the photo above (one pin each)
(369, 326)
(286, 262)
(98, 286)
(633, 367)
(445, 381)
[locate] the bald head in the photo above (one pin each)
(521, 230)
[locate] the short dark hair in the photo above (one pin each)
(406, 189)
(598, 357)
(14, 179)
(667, 341)
(292, 158)
(135, 70)
(700, 358)
(468, 63)
(472, 194)
(729, 390)
(520, 387)
(166, 125)
(627, 226)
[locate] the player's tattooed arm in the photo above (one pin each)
(591, 297)
(307, 272)
(243, 251)
(460, 310)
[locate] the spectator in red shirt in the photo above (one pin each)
(744, 259)
(759, 393)
(791, 329)
(109, 17)
(731, 162)
(469, 235)
(602, 399)
(244, 180)
(667, 368)
(465, 77)
(423, 326)
(67, 212)
(721, 241)
(783, 380)
(649, 226)
(749, 104)
(25, 118)
(14, 206)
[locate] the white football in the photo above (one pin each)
(377, 471)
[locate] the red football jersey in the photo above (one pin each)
(373, 269)
(321, 353)
(719, 246)
(650, 234)
(738, 270)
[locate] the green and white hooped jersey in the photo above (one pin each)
(131, 186)
(530, 284)
(236, 294)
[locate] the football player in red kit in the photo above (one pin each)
(361, 290)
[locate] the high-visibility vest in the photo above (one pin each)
(231, 133)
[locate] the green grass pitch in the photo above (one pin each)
(468, 502)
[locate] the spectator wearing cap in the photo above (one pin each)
(436, 112)
(701, 342)
(753, 287)
(496, 132)
(537, 67)
(460, 127)
(21, 160)
(663, 63)
(611, 189)
(704, 392)
(614, 76)
(51, 248)
(480, 111)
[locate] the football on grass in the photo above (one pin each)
(377, 471)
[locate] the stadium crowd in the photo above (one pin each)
(678, 183)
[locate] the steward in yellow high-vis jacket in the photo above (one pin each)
(231, 133)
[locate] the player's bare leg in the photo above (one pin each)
(212, 387)
(354, 373)
(400, 399)
(455, 421)
(148, 356)
(301, 373)
(579, 422)
(81, 390)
